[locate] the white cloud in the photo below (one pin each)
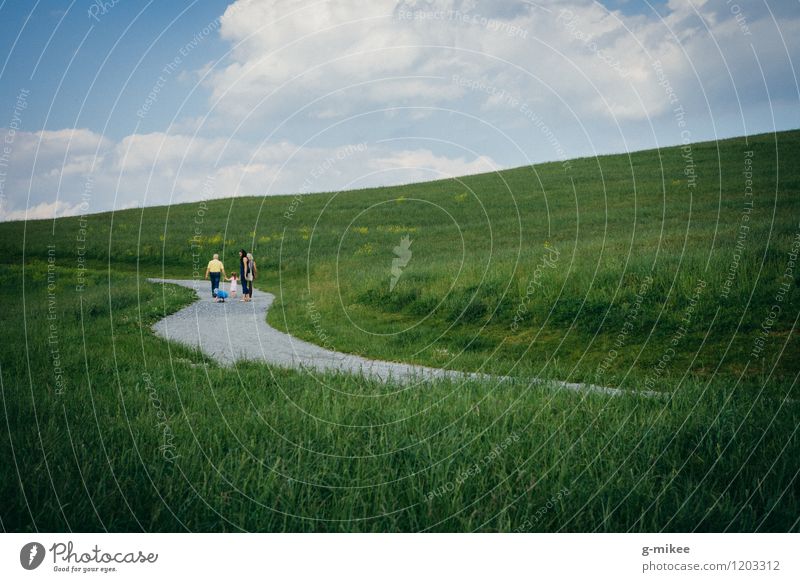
(423, 164)
(44, 210)
(158, 168)
(599, 62)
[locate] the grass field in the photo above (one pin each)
(670, 270)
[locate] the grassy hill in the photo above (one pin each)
(667, 270)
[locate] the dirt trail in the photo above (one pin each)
(234, 330)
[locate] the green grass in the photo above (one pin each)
(119, 430)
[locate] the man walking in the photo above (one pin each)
(216, 270)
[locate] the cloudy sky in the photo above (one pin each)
(114, 104)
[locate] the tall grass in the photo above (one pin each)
(146, 438)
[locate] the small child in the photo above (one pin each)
(220, 296)
(232, 279)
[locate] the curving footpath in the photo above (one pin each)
(234, 330)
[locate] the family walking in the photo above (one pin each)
(247, 274)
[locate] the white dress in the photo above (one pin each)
(233, 285)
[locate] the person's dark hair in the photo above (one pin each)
(242, 255)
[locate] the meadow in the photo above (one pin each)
(670, 270)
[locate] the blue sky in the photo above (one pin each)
(163, 102)
(61, 52)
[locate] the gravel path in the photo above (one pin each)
(234, 330)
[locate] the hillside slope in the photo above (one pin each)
(594, 267)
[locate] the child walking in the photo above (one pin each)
(232, 279)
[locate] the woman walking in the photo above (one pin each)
(242, 270)
(250, 272)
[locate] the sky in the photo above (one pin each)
(114, 104)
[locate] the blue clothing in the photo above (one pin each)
(214, 282)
